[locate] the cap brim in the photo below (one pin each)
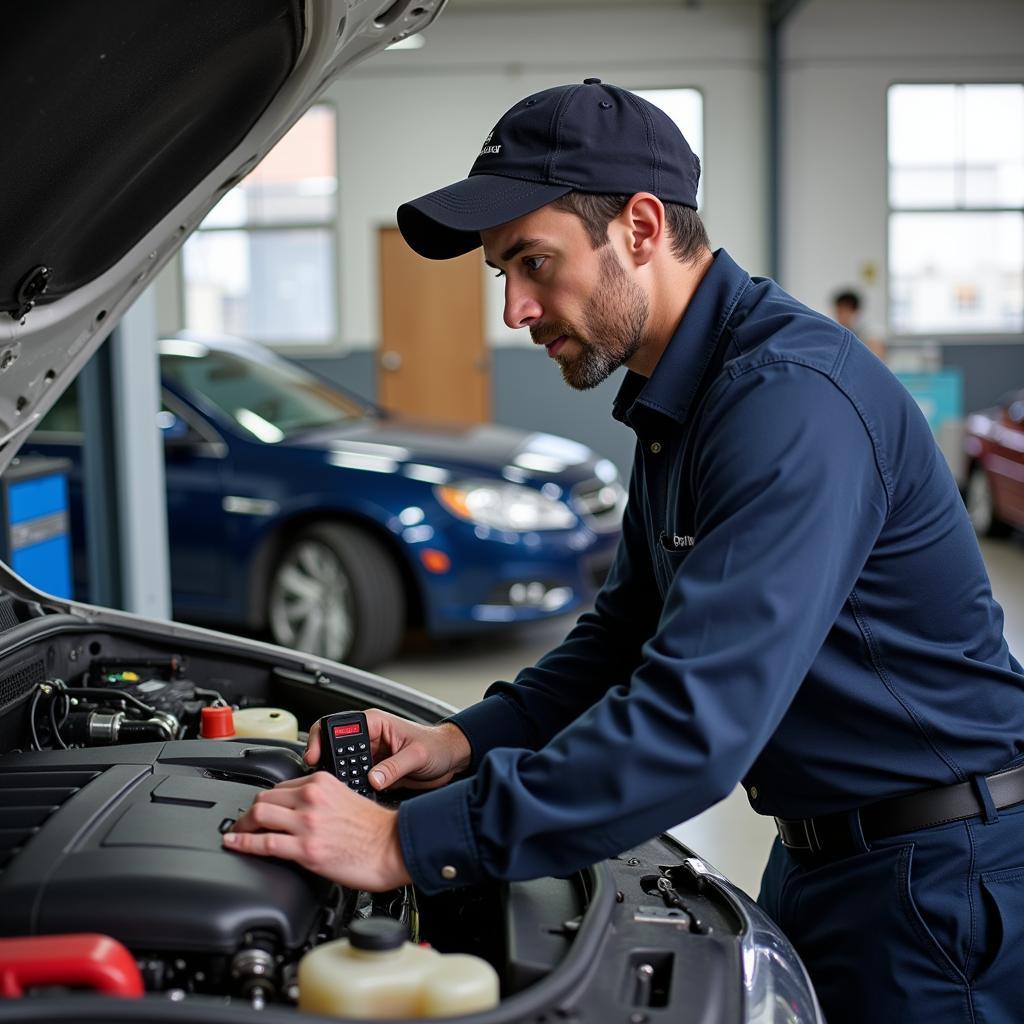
(448, 222)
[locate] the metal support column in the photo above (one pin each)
(778, 12)
(123, 469)
(99, 491)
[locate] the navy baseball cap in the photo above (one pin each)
(592, 137)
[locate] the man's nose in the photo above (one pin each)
(521, 308)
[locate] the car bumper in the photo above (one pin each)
(498, 577)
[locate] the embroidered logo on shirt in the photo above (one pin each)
(675, 541)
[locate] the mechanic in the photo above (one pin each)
(798, 602)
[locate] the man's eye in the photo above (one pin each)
(534, 262)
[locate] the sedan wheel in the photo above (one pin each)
(981, 506)
(336, 592)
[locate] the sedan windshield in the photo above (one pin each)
(269, 399)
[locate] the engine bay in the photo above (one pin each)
(112, 815)
(112, 808)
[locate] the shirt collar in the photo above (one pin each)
(671, 388)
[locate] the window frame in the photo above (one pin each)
(903, 339)
(297, 349)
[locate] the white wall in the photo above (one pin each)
(839, 58)
(412, 121)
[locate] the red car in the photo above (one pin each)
(994, 443)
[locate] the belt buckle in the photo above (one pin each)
(811, 832)
(808, 832)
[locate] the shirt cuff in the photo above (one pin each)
(437, 842)
(493, 722)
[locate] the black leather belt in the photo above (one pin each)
(835, 835)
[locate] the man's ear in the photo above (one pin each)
(643, 219)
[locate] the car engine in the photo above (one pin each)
(126, 839)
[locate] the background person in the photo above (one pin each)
(846, 306)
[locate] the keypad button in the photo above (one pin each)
(364, 759)
(342, 774)
(350, 748)
(362, 746)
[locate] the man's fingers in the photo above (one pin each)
(387, 772)
(266, 815)
(306, 789)
(377, 722)
(312, 754)
(264, 844)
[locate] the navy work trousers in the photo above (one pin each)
(918, 929)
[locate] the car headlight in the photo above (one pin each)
(777, 987)
(504, 506)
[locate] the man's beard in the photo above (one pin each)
(611, 331)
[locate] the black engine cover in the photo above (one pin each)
(127, 841)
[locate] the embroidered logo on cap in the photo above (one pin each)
(488, 149)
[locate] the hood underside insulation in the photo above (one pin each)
(112, 113)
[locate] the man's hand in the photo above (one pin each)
(417, 756)
(318, 822)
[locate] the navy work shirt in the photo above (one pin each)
(798, 602)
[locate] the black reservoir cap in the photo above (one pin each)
(377, 933)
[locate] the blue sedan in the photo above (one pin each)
(298, 509)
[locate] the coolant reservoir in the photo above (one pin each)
(266, 724)
(375, 973)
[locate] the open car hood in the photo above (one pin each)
(125, 124)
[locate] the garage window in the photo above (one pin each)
(263, 263)
(956, 208)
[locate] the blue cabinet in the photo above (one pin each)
(35, 540)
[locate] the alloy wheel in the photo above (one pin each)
(311, 604)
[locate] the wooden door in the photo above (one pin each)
(433, 361)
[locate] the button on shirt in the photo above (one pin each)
(798, 600)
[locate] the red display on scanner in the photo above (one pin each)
(346, 730)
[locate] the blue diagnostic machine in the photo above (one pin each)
(35, 540)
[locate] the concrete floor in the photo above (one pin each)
(730, 835)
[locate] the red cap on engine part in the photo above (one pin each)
(217, 723)
(89, 959)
